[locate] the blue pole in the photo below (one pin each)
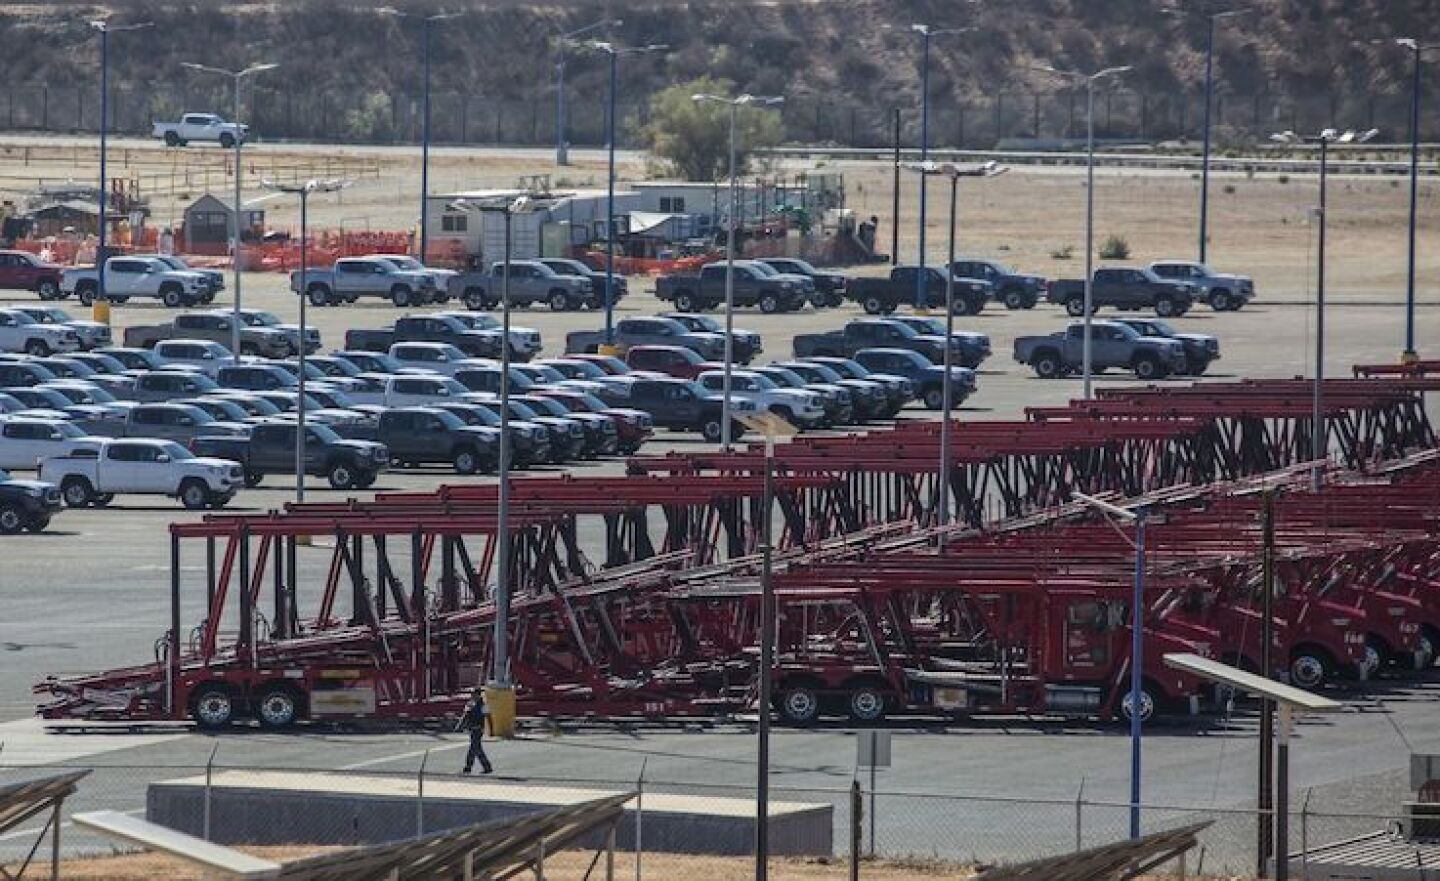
(610, 216)
(425, 157)
(1409, 353)
(104, 114)
(1205, 156)
(924, 154)
(1137, 657)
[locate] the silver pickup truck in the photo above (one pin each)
(531, 282)
(354, 277)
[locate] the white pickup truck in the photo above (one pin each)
(200, 127)
(127, 277)
(93, 475)
(21, 333)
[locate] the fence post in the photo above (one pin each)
(857, 816)
(420, 797)
(1304, 835)
(640, 817)
(1080, 816)
(872, 812)
(209, 790)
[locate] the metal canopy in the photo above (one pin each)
(496, 850)
(1111, 862)
(21, 801)
(1225, 674)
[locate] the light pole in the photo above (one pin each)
(954, 173)
(302, 190)
(425, 124)
(105, 31)
(1214, 18)
(1318, 428)
(1090, 80)
(1137, 516)
(562, 149)
(237, 77)
(1417, 51)
(926, 33)
(500, 670)
(734, 104)
(614, 52)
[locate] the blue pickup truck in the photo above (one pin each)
(927, 378)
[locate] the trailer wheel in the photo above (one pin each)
(799, 705)
(1147, 703)
(866, 703)
(1311, 666)
(278, 707)
(213, 707)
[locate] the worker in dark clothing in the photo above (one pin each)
(474, 720)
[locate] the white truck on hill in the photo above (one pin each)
(200, 127)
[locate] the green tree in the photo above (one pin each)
(694, 136)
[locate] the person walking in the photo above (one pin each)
(474, 720)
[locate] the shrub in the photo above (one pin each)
(1229, 189)
(1064, 253)
(1284, 178)
(1115, 248)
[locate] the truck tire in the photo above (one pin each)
(194, 494)
(278, 707)
(1311, 666)
(38, 524)
(874, 306)
(12, 521)
(934, 398)
(212, 707)
(1075, 306)
(560, 301)
(1047, 365)
(76, 491)
(341, 476)
(799, 704)
(1148, 367)
(400, 296)
(1147, 702)
(1014, 298)
(712, 431)
(769, 304)
(37, 348)
(1220, 300)
(319, 295)
(48, 289)
(172, 139)
(366, 479)
(1165, 306)
(865, 704)
(466, 461)
(86, 291)
(253, 478)
(227, 140)
(474, 299)
(172, 296)
(685, 302)
(964, 306)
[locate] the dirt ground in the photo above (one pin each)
(567, 866)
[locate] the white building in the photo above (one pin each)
(557, 221)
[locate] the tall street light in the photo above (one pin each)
(954, 173)
(1136, 697)
(1214, 19)
(926, 33)
(734, 104)
(237, 77)
(562, 149)
(425, 125)
(1090, 80)
(1417, 51)
(614, 52)
(500, 671)
(1318, 427)
(303, 190)
(105, 30)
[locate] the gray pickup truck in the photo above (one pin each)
(1126, 289)
(267, 342)
(755, 284)
(354, 277)
(531, 282)
(1201, 349)
(1224, 293)
(1112, 344)
(648, 332)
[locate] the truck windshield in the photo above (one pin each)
(176, 452)
(49, 316)
(408, 264)
(476, 321)
(927, 325)
(801, 266)
(764, 268)
(69, 429)
(547, 406)
(260, 319)
(322, 433)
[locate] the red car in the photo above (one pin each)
(677, 361)
(633, 427)
(23, 271)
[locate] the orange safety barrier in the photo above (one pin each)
(649, 266)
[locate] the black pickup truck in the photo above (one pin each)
(270, 449)
(755, 284)
(868, 333)
(881, 296)
(26, 504)
(677, 404)
(1125, 289)
(428, 329)
(421, 435)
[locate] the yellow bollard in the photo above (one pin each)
(1408, 358)
(612, 351)
(501, 701)
(101, 311)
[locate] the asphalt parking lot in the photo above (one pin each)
(91, 593)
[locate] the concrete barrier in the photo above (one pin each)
(276, 807)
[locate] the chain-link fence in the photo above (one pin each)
(217, 802)
(978, 122)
